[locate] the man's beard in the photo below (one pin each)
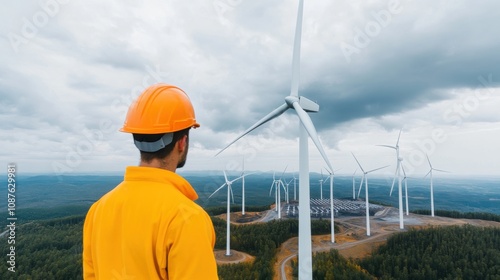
(183, 158)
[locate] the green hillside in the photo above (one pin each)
(51, 249)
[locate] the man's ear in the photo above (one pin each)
(182, 143)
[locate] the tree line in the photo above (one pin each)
(460, 215)
(454, 252)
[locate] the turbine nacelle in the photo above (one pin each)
(305, 103)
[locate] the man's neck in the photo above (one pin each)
(162, 164)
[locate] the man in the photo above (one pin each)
(148, 227)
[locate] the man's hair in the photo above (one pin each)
(160, 154)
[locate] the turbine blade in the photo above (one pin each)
(428, 160)
(225, 176)
(393, 181)
(231, 191)
(296, 52)
(377, 169)
(397, 143)
(387, 146)
(361, 185)
(223, 185)
(242, 176)
(311, 130)
(275, 113)
(440, 170)
(358, 163)
(282, 174)
(428, 173)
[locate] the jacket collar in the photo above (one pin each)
(139, 173)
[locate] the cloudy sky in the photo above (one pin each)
(69, 70)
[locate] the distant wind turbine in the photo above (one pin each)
(432, 187)
(287, 190)
(280, 184)
(321, 186)
(405, 178)
(397, 174)
(273, 185)
(332, 209)
(294, 188)
(228, 216)
(353, 185)
(277, 184)
(301, 105)
(365, 177)
(243, 187)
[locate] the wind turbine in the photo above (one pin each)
(353, 185)
(366, 192)
(287, 191)
(405, 178)
(332, 210)
(432, 187)
(280, 183)
(321, 186)
(228, 217)
(243, 188)
(294, 188)
(277, 184)
(301, 105)
(398, 174)
(275, 191)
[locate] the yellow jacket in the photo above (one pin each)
(148, 227)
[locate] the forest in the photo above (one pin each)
(460, 215)
(454, 252)
(261, 241)
(51, 249)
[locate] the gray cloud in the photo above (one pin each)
(90, 60)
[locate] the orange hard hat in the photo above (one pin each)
(161, 108)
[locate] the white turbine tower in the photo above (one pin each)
(398, 175)
(353, 185)
(321, 186)
(280, 183)
(405, 178)
(301, 105)
(294, 188)
(228, 216)
(332, 210)
(277, 192)
(243, 188)
(365, 177)
(287, 191)
(273, 185)
(432, 187)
